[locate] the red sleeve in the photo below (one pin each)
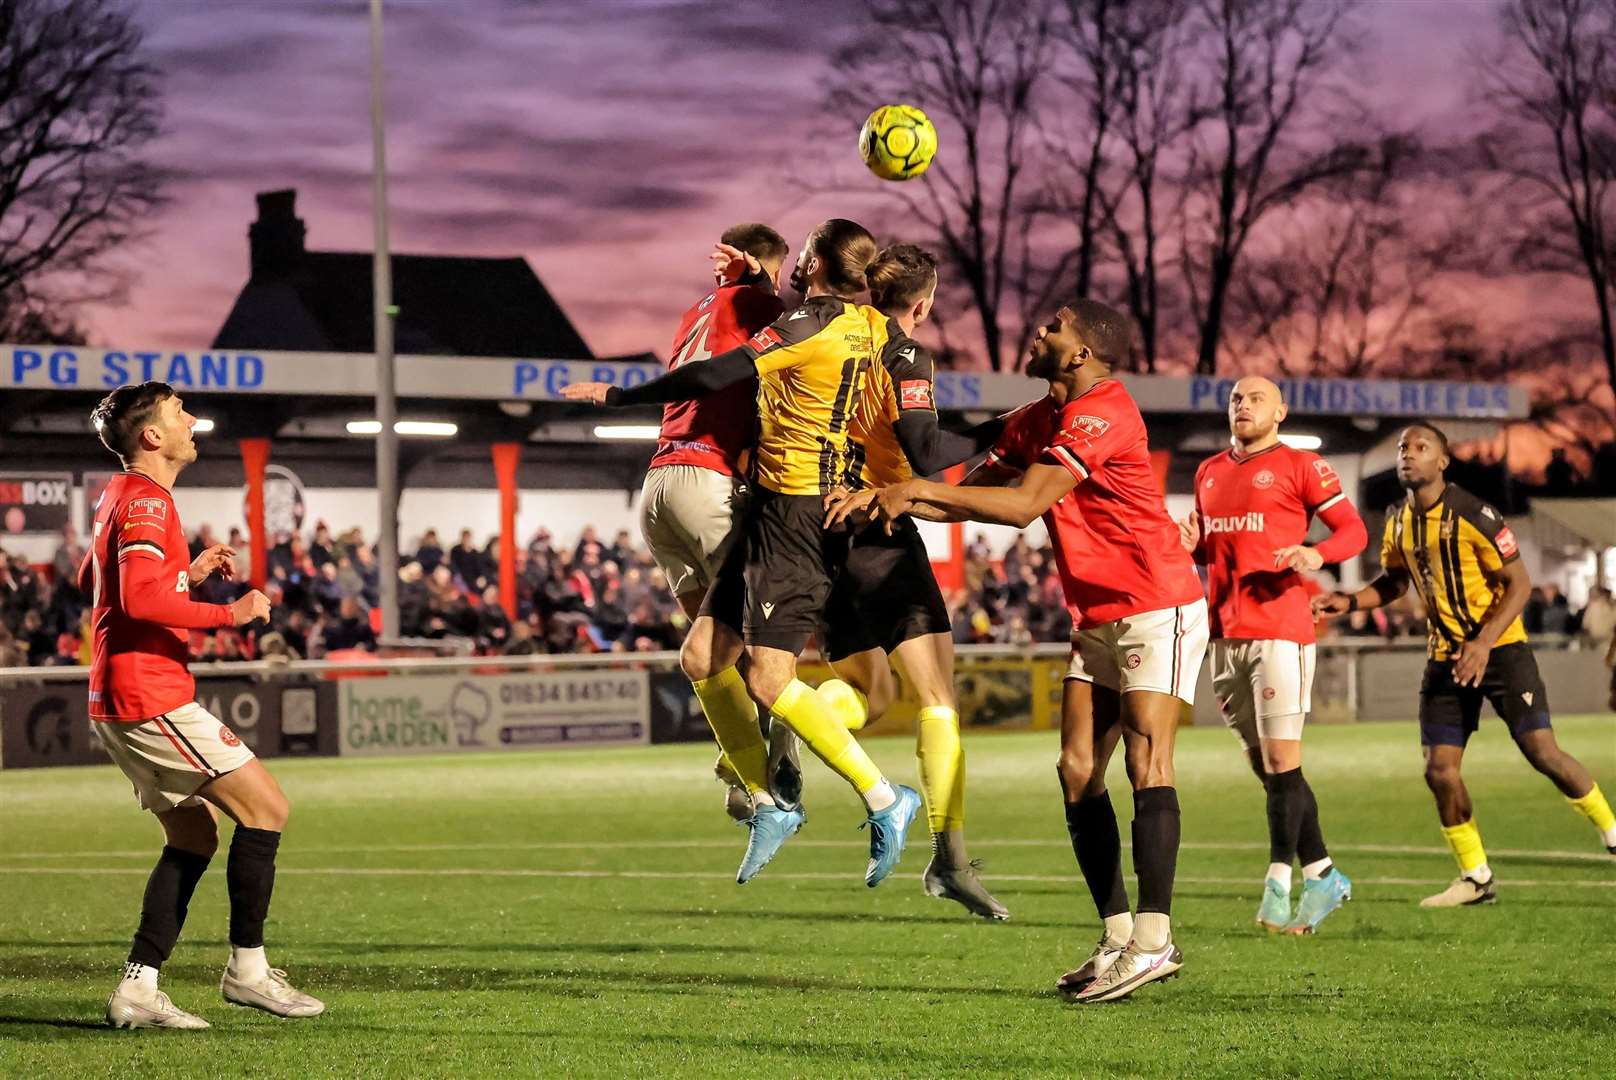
(146, 589)
(1090, 434)
(87, 573)
(1318, 483)
(1347, 533)
(1199, 554)
(1011, 450)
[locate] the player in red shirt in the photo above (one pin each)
(1253, 504)
(181, 759)
(1082, 461)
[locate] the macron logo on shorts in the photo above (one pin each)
(768, 609)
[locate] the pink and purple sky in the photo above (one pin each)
(607, 141)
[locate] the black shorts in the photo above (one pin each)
(777, 577)
(1450, 714)
(886, 594)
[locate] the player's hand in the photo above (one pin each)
(1471, 663)
(250, 608)
(219, 558)
(731, 263)
(843, 507)
(1297, 557)
(1331, 605)
(592, 392)
(893, 502)
(1189, 531)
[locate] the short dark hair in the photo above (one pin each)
(1106, 330)
(757, 240)
(124, 413)
(846, 249)
(900, 275)
(1441, 436)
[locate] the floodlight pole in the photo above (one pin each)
(386, 402)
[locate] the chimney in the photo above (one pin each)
(276, 238)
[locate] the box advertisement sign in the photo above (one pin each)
(34, 502)
(430, 714)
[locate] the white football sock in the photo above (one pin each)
(880, 796)
(1280, 872)
(1152, 930)
(1480, 875)
(1313, 871)
(140, 979)
(1610, 836)
(248, 965)
(1119, 929)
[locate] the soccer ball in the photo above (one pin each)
(897, 142)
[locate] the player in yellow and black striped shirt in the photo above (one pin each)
(771, 591)
(1462, 559)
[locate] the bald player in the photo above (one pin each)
(1253, 505)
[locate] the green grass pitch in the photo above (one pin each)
(575, 914)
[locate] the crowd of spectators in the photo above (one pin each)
(590, 596)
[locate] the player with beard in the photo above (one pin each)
(1253, 503)
(1463, 561)
(1082, 460)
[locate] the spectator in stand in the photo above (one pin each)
(1598, 621)
(203, 540)
(586, 539)
(522, 641)
(491, 555)
(321, 549)
(69, 556)
(1557, 616)
(349, 630)
(646, 623)
(622, 549)
(40, 642)
(326, 590)
(429, 553)
(242, 546)
(1537, 603)
(493, 625)
(607, 613)
(467, 561)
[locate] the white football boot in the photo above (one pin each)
(272, 993)
(128, 1008)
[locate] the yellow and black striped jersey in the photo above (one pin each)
(812, 363)
(902, 379)
(1453, 553)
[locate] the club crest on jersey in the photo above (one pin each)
(1134, 660)
(766, 338)
(1209, 482)
(1092, 426)
(1506, 542)
(1263, 480)
(1447, 529)
(914, 394)
(1327, 476)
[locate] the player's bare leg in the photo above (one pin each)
(1091, 724)
(927, 665)
(191, 836)
(1150, 727)
(771, 677)
(1474, 885)
(253, 799)
(1572, 778)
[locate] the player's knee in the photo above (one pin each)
(1076, 769)
(765, 682)
(1441, 775)
(696, 658)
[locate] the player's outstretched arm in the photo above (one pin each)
(147, 593)
(1390, 585)
(685, 383)
(931, 449)
(1020, 504)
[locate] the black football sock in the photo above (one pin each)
(1155, 847)
(1285, 811)
(1310, 837)
(1092, 824)
(162, 910)
(250, 878)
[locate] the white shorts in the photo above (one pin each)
(1264, 688)
(1154, 650)
(688, 516)
(168, 758)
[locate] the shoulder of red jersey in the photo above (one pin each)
(142, 520)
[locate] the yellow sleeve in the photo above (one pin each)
(1487, 556)
(1391, 555)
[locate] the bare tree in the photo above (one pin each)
(78, 106)
(1270, 136)
(1553, 79)
(975, 66)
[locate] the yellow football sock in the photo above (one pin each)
(1465, 840)
(733, 716)
(848, 702)
(942, 768)
(1594, 807)
(817, 725)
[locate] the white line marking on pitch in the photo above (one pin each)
(722, 845)
(675, 875)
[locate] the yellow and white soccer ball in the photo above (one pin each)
(897, 142)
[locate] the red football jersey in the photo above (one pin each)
(1249, 507)
(1116, 547)
(714, 431)
(139, 577)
